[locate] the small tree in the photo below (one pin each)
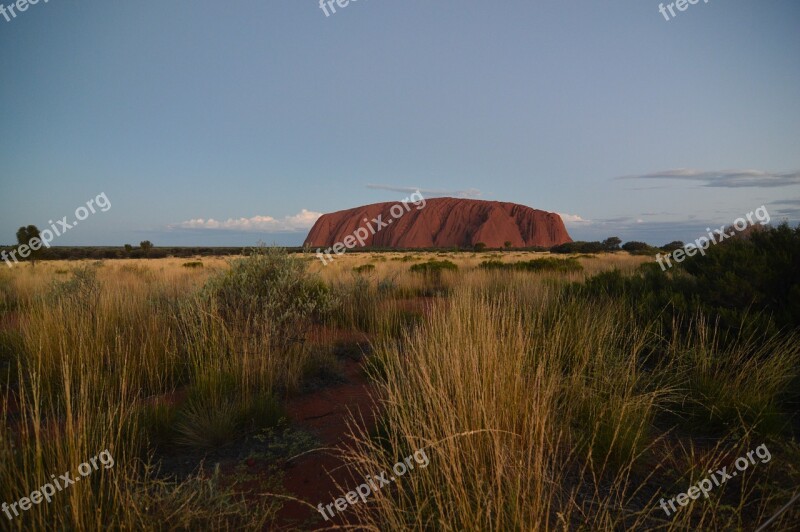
(507, 244)
(128, 249)
(146, 246)
(31, 239)
(634, 246)
(672, 246)
(480, 246)
(612, 243)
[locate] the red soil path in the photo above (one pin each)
(325, 413)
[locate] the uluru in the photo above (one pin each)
(440, 223)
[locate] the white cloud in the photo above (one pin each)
(301, 221)
(573, 219)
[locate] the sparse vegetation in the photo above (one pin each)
(434, 267)
(364, 268)
(575, 391)
(535, 265)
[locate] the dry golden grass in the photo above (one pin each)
(539, 411)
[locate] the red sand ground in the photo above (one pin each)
(313, 477)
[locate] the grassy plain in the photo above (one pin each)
(540, 408)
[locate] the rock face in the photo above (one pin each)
(439, 222)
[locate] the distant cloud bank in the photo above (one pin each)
(301, 221)
(726, 178)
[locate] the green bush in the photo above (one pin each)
(193, 264)
(579, 247)
(672, 246)
(760, 272)
(535, 265)
(433, 266)
(639, 248)
(270, 285)
(747, 285)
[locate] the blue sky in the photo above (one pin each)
(262, 114)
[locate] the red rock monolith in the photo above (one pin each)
(441, 223)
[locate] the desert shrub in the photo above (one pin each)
(193, 264)
(579, 247)
(748, 285)
(271, 285)
(83, 285)
(535, 265)
(434, 267)
(672, 246)
(639, 248)
(480, 246)
(364, 268)
(761, 272)
(137, 270)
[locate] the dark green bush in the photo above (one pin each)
(747, 285)
(760, 272)
(672, 246)
(635, 246)
(434, 266)
(535, 265)
(579, 247)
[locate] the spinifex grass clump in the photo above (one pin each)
(546, 264)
